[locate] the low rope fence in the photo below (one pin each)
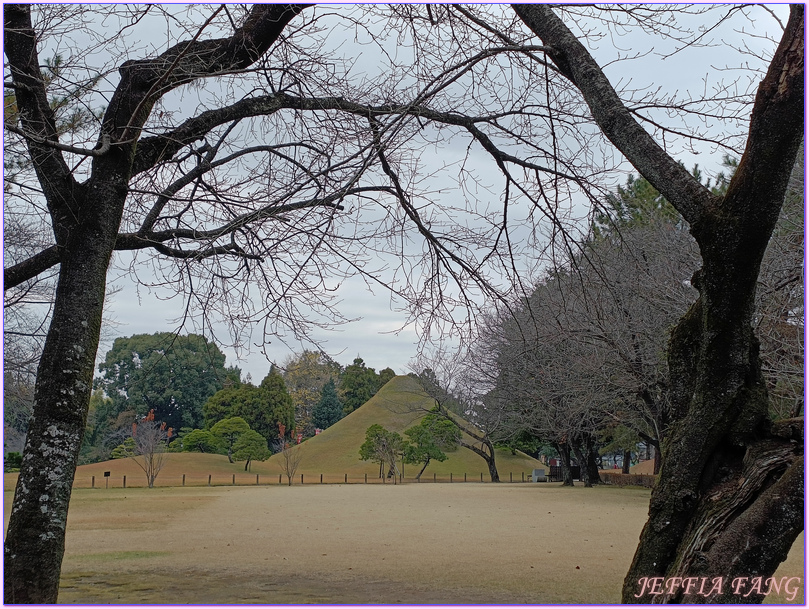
(307, 478)
(264, 479)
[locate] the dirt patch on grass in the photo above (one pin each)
(355, 544)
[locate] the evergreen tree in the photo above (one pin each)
(359, 384)
(383, 446)
(262, 407)
(229, 430)
(329, 409)
(172, 375)
(277, 407)
(251, 446)
(429, 439)
(385, 375)
(201, 441)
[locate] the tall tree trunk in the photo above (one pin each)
(34, 544)
(585, 474)
(729, 498)
(85, 219)
(563, 448)
(626, 462)
(590, 457)
(487, 455)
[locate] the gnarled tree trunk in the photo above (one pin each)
(86, 218)
(729, 499)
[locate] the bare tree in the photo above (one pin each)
(698, 520)
(151, 440)
(541, 373)
(291, 456)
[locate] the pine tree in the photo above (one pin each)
(359, 384)
(329, 409)
(277, 407)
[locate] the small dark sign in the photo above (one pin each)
(106, 474)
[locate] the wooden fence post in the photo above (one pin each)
(510, 477)
(366, 478)
(321, 478)
(124, 481)
(464, 476)
(93, 483)
(209, 479)
(434, 477)
(481, 476)
(345, 480)
(234, 480)
(256, 479)
(279, 478)
(450, 476)
(301, 478)
(183, 479)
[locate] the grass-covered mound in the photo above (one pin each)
(400, 404)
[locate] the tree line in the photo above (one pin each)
(183, 383)
(581, 363)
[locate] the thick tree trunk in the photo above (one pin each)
(729, 498)
(34, 544)
(626, 462)
(585, 474)
(563, 448)
(85, 219)
(590, 457)
(493, 474)
(487, 455)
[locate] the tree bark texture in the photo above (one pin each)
(86, 219)
(729, 499)
(563, 448)
(626, 462)
(585, 473)
(590, 459)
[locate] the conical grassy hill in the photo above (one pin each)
(400, 404)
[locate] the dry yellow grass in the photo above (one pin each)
(412, 543)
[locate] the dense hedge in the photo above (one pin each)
(618, 479)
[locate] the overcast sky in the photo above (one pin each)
(378, 337)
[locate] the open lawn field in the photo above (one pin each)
(410, 543)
